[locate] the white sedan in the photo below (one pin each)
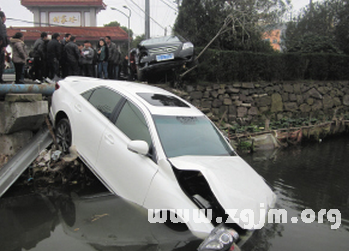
(155, 149)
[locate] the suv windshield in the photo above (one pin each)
(190, 136)
(160, 40)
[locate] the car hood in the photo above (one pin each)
(237, 187)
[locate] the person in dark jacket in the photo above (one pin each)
(54, 56)
(3, 34)
(71, 50)
(39, 56)
(103, 55)
(63, 62)
(45, 68)
(113, 59)
(19, 55)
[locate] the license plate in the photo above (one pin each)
(164, 57)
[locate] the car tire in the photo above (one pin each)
(63, 134)
(192, 63)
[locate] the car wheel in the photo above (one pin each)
(63, 134)
(192, 63)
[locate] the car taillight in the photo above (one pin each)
(57, 86)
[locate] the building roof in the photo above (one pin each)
(81, 33)
(36, 3)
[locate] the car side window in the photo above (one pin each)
(132, 123)
(87, 94)
(104, 100)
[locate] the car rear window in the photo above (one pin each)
(162, 100)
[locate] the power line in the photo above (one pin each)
(172, 2)
(145, 14)
(169, 5)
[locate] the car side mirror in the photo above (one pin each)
(138, 146)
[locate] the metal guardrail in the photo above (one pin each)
(10, 172)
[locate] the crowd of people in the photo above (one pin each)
(58, 58)
(67, 57)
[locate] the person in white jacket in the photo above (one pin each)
(87, 59)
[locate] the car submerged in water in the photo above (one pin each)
(162, 54)
(155, 149)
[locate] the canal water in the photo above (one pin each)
(313, 176)
(83, 218)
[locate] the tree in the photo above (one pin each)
(341, 31)
(112, 24)
(137, 40)
(199, 21)
(314, 29)
(117, 24)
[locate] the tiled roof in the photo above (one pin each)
(28, 3)
(81, 33)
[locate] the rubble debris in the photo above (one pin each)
(73, 154)
(97, 217)
(272, 139)
(56, 155)
(52, 166)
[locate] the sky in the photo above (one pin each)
(162, 11)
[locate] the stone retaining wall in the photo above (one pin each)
(248, 102)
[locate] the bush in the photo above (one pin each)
(227, 66)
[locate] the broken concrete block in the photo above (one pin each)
(18, 116)
(265, 142)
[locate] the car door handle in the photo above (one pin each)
(78, 107)
(109, 138)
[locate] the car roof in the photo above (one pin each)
(132, 90)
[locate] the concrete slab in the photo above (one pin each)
(10, 144)
(18, 116)
(23, 97)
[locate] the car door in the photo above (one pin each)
(91, 118)
(128, 174)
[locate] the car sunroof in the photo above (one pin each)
(162, 100)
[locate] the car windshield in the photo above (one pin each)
(190, 136)
(159, 40)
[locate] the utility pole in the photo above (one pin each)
(311, 5)
(147, 20)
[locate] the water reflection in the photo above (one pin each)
(25, 221)
(88, 222)
(314, 176)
